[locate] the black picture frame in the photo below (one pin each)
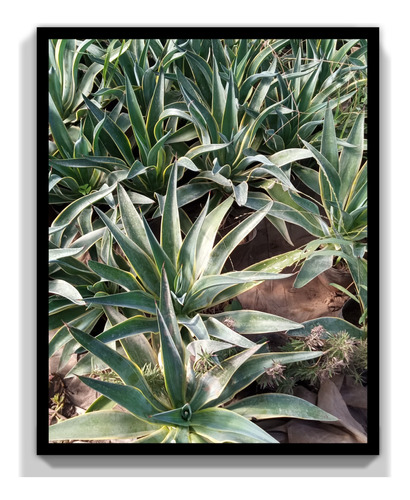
(44, 447)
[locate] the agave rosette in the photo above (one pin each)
(188, 409)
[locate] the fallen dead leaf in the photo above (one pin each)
(354, 394)
(330, 400)
(314, 300)
(303, 393)
(317, 432)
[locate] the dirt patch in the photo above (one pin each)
(314, 300)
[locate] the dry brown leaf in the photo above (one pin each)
(354, 394)
(317, 432)
(338, 380)
(314, 300)
(330, 400)
(276, 427)
(80, 394)
(303, 393)
(278, 297)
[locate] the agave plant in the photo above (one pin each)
(74, 71)
(237, 102)
(131, 282)
(341, 184)
(324, 73)
(98, 144)
(188, 409)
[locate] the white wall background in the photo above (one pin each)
(271, 475)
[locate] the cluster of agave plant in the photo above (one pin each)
(141, 130)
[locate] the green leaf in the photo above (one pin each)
(103, 163)
(351, 158)
(186, 260)
(182, 435)
(208, 234)
(331, 174)
(346, 292)
(263, 406)
(170, 228)
(202, 74)
(85, 322)
(258, 97)
(70, 313)
(86, 84)
(155, 153)
(54, 87)
(187, 163)
(211, 384)
(329, 141)
(155, 437)
(220, 425)
(218, 95)
(204, 149)
(311, 268)
(137, 120)
(329, 182)
(172, 417)
(220, 331)
(308, 176)
(191, 192)
(119, 276)
(132, 326)
(250, 322)
(132, 221)
(228, 243)
(143, 265)
(160, 257)
(101, 404)
(270, 169)
(156, 106)
(206, 288)
(230, 117)
(137, 168)
(330, 325)
(290, 155)
(196, 438)
(200, 347)
(64, 56)
(174, 370)
(308, 90)
(65, 289)
(168, 314)
(117, 135)
(358, 192)
(132, 300)
(130, 398)
(273, 264)
(195, 325)
(251, 133)
(254, 367)
(241, 193)
(59, 253)
(288, 210)
(137, 347)
(69, 213)
(129, 372)
(60, 135)
(100, 425)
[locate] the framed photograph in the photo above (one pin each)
(208, 241)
